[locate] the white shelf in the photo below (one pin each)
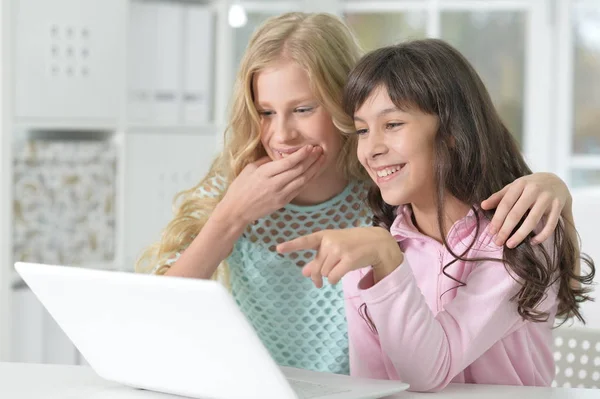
(203, 129)
(66, 124)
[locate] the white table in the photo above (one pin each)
(36, 381)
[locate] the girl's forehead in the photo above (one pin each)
(279, 64)
(380, 96)
(282, 83)
(376, 97)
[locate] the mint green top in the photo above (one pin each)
(301, 325)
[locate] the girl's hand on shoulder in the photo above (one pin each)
(341, 251)
(265, 185)
(543, 194)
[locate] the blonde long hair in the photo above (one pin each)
(323, 46)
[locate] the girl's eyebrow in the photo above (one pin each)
(380, 113)
(296, 101)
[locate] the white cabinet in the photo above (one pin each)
(99, 68)
(36, 336)
(157, 167)
(69, 57)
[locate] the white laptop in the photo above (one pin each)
(176, 335)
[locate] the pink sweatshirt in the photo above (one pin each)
(429, 333)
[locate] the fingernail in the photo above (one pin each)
(510, 244)
(493, 230)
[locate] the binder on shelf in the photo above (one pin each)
(198, 58)
(168, 58)
(142, 50)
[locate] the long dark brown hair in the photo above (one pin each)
(475, 156)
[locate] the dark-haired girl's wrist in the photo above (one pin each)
(391, 258)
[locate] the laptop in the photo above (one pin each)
(176, 335)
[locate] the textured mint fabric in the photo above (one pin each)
(301, 326)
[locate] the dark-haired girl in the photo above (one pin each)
(437, 301)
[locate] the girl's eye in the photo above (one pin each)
(265, 113)
(304, 110)
(393, 125)
(361, 131)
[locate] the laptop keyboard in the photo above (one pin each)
(308, 390)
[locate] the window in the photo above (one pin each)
(493, 41)
(375, 30)
(586, 76)
(584, 131)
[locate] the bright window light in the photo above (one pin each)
(237, 16)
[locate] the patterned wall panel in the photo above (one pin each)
(64, 201)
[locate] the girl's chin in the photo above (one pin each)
(391, 199)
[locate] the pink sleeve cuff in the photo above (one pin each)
(391, 284)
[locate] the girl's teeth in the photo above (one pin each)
(388, 171)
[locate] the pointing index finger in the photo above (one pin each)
(311, 241)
